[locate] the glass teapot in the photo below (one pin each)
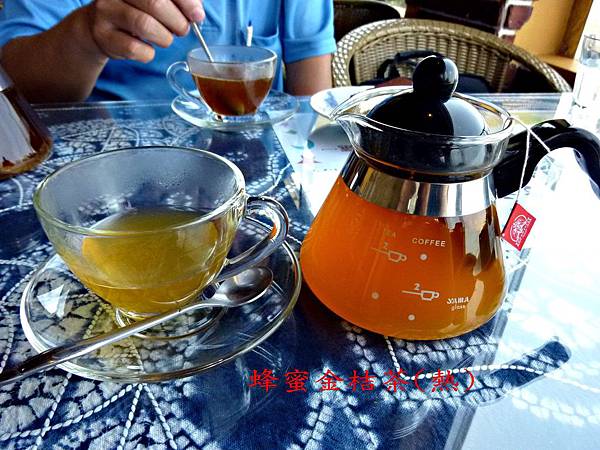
(24, 140)
(407, 243)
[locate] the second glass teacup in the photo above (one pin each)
(147, 229)
(234, 85)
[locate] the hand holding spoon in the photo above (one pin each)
(239, 290)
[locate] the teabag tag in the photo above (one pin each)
(520, 221)
(518, 226)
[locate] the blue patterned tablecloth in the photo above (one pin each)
(527, 379)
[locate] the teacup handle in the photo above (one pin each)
(278, 215)
(172, 79)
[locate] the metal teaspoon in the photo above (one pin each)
(238, 290)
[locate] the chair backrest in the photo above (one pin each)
(351, 14)
(363, 50)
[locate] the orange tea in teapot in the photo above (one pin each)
(402, 275)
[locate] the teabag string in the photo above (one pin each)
(530, 133)
(520, 221)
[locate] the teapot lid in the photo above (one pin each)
(430, 106)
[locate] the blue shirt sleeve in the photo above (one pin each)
(28, 17)
(307, 29)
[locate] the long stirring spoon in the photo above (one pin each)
(198, 34)
(239, 290)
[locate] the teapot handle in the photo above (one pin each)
(556, 133)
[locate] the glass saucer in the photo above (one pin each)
(56, 309)
(277, 107)
(324, 102)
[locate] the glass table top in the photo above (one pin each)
(526, 379)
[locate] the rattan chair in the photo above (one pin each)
(351, 14)
(363, 50)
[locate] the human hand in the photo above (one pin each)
(127, 29)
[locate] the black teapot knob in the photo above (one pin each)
(435, 77)
(431, 106)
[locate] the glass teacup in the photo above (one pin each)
(234, 85)
(148, 228)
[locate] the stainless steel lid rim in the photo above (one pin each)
(417, 197)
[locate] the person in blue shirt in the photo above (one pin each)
(72, 50)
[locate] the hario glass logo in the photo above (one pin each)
(518, 227)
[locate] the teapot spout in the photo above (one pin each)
(356, 127)
(352, 114)
(362, 102)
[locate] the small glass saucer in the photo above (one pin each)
(277, 107)
(56, 309)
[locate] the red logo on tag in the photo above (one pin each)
(518, 227)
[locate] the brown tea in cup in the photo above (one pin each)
(232, 97)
